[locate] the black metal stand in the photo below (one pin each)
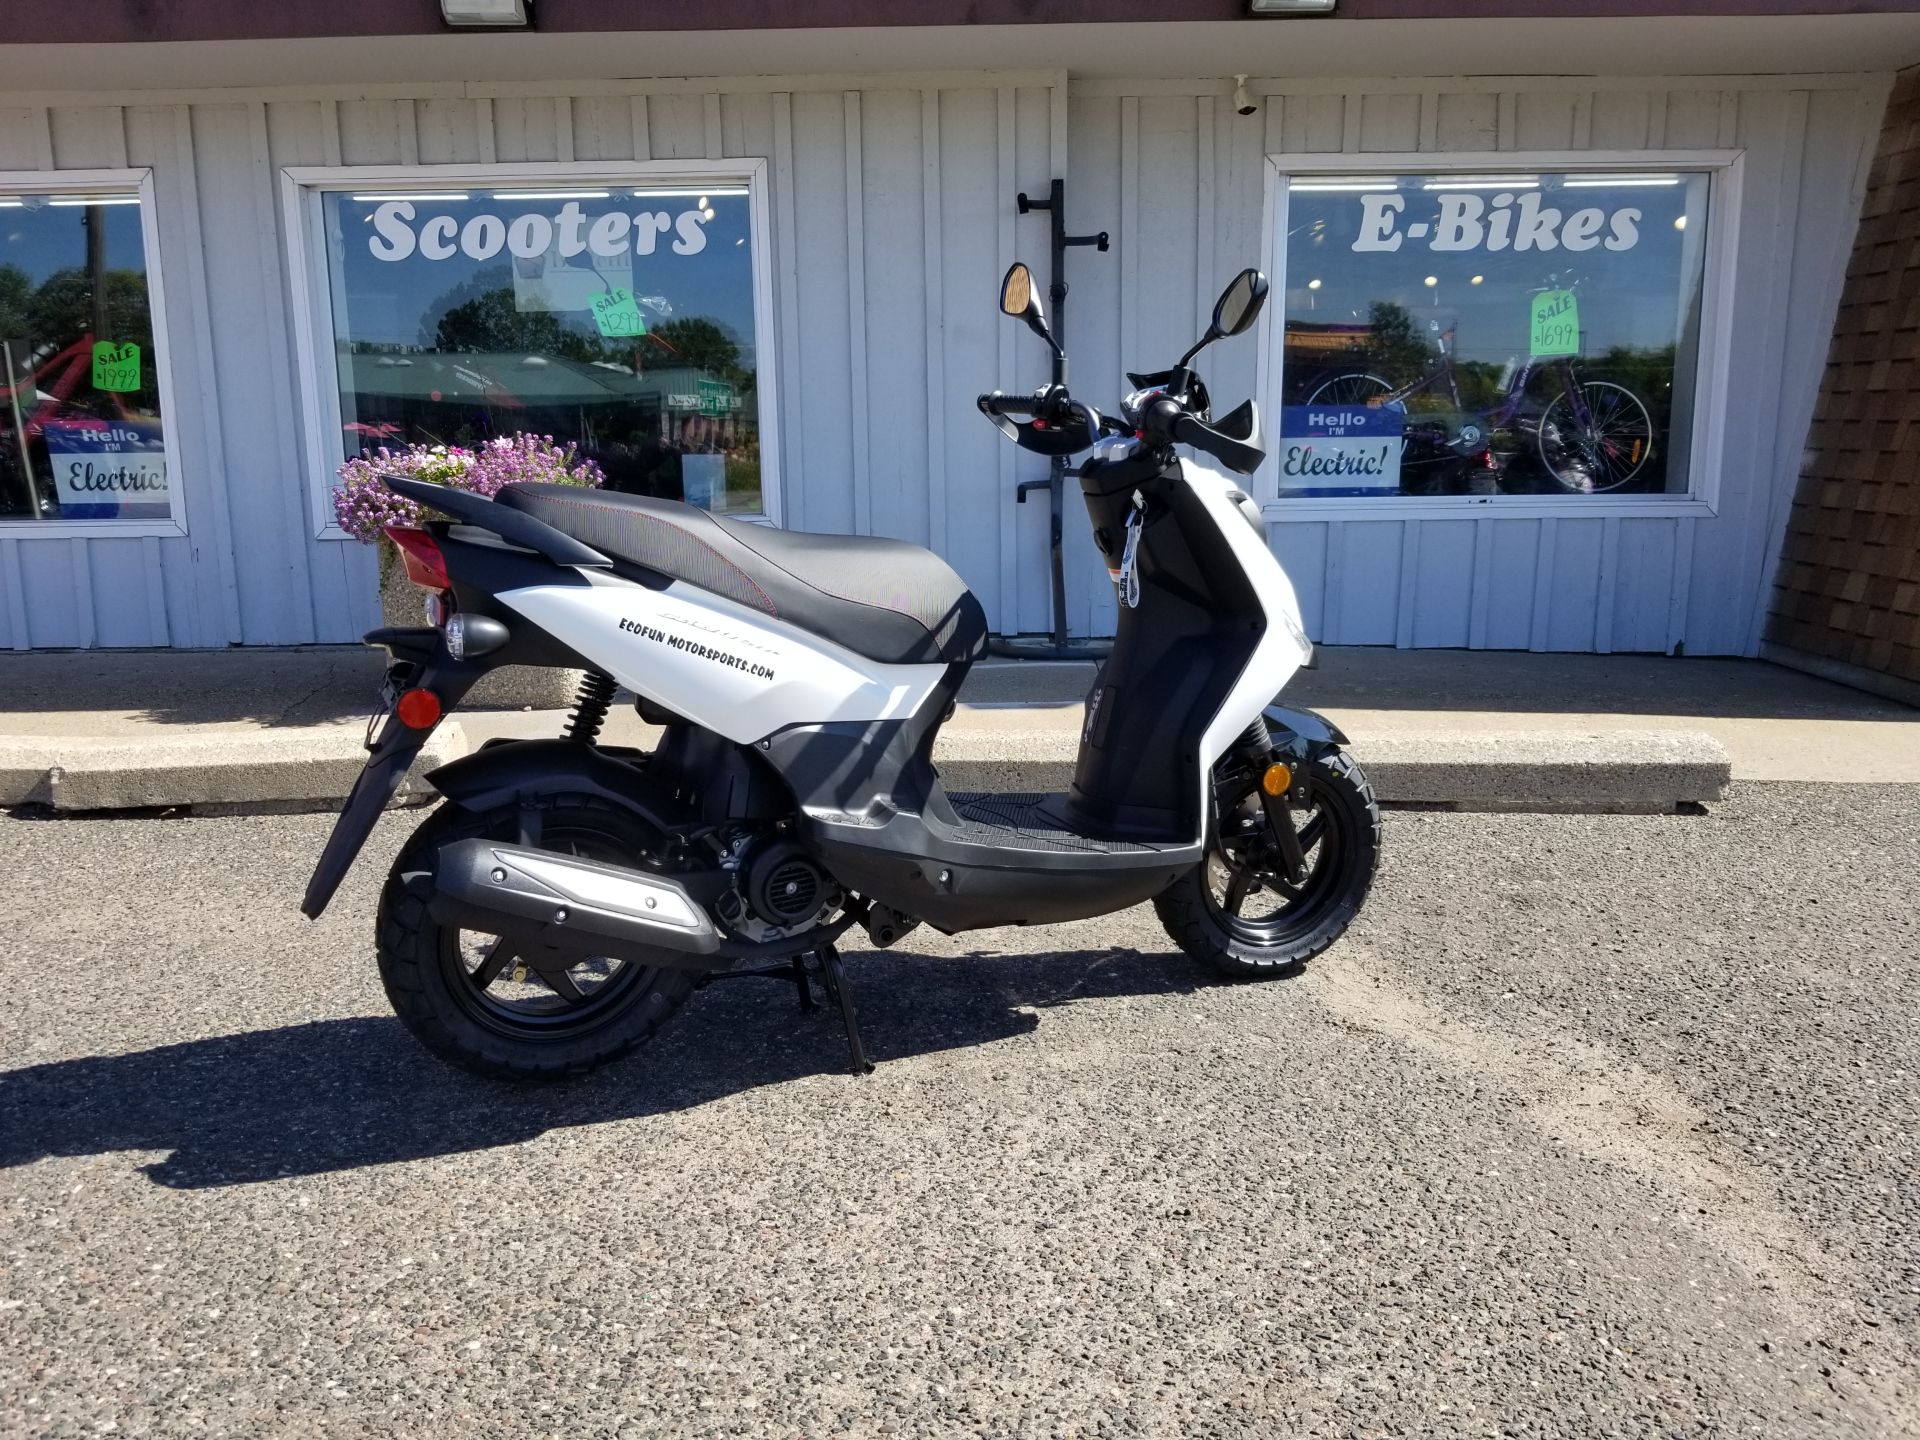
(1057, 646)
(833, 979)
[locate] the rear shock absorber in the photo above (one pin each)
(590, 707)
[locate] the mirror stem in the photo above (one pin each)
(1198, 345)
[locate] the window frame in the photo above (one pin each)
(139, 179)
(1712, 371)
(317, 376)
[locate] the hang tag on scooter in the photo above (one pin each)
(1129, 581)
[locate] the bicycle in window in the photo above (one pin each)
(1593, 437)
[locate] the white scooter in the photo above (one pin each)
(568, 896)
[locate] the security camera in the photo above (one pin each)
(1243, 103)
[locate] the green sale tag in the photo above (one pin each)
(617, 315)
(1556, 324)
(116, 367)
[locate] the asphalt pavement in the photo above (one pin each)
(1594, 1126)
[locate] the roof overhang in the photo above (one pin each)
(1349, 45)
(111, 21)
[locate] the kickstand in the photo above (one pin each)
(835, 979)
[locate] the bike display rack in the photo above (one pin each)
(1055, 646)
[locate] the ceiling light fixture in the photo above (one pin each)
(1290, 7)
(550, 194)
(1486, 182)
(1598, 182)
(497, 14)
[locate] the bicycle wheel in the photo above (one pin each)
(1605, 449)
(1354, 388)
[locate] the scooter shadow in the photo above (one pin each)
(342, 1094)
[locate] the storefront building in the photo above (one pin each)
(1538, 372)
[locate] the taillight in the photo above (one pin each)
(426, 566)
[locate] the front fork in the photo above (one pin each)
(1282, 781)
(1296, 738)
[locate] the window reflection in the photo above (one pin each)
(620, 319)
(81, 436)
(1492, 333)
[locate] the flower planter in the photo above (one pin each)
(364, 506)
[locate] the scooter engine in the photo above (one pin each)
(778, 889)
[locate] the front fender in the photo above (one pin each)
(1305, 731)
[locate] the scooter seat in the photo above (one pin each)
(884, 599)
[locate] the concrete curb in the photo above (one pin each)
(1547, 770)
(308, 768)
(313, 767)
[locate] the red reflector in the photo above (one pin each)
(418, 709)
(426, 566)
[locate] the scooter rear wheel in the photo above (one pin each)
(497, 1013)
(1237, 913)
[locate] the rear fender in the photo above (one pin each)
(419, 662)
(519, 772)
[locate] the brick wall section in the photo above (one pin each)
(1848, 588)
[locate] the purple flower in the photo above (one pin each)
(363, 505)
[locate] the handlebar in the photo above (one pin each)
(1051, 422)
(1239, 456)
(1054, 422)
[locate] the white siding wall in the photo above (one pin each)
(893, 219)
(1573, 581)
(892, 216)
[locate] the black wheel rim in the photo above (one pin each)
(1609, 450)
(1247, 890)
(1355, 389)
(543, 997)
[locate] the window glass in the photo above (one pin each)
(81, 435)
(1491, 334)
(620, 319)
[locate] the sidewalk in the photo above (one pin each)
(104, 729)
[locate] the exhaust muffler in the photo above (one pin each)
(562, 903)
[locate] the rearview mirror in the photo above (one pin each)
(1019, 299)
(1240, 304)
(1234, 312)
(1016, 291)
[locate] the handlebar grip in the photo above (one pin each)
(995, 403)
(1236, 455)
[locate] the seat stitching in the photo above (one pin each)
(765, 600)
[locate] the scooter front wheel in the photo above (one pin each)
(1239, 913)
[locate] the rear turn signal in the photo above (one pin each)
(426, 566)
(1277, 780)
(418, 709)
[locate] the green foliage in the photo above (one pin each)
(1394, 350)
(59, 312)
(700, 343)
(481, 315)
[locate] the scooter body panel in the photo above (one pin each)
(735, 671)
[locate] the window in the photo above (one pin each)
(623, 316)
(1493, 331)
(82, 429)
